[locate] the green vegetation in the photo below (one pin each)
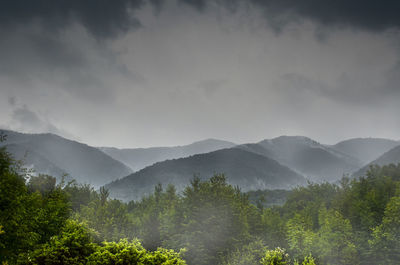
(210, 222)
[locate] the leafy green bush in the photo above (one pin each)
(308, 260)
(72, 246)
(132, 253)
(278, 256)
(75, 246)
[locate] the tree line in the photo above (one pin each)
(356, 221)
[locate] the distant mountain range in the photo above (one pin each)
(365, 149)
(54, 155)
(245, 169)
(390, 157)
(140, 158)
(302, 156)
(307, 157)
(281, 162)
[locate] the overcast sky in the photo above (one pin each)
(137, 73)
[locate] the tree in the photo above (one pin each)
(214, 221)
(248, 254)
(73, 246)
(30, 214)
(335, 244)
(385, 243)
(301, 238)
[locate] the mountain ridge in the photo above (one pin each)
(242, 168)
(82, 162)
(306, 157)
(139, 158)
(390, 157)
(365, 149)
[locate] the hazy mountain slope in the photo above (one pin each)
(306, 156)
(35, 161)
(140, 158)
(248, 170)
(84, 163)
(390, 157)
(365, 149)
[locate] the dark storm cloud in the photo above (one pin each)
(105, 18)
(154, 72)
(365, 14)
(102, 18)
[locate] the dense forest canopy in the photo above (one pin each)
(356, 221)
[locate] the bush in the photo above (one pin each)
(278, 256)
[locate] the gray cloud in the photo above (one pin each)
(26, 120)
(211, 87)
(187, 73)
(364, 14)
(102, 18)
(105, 19)
(12, 101)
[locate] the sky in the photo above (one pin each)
(139, 73)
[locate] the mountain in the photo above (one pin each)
(54, 155)
(35, 161)
(248, 170)
(365, 149)
(140, 158)
(390, 157)
(306, 156)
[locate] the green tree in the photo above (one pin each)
(335, 243)
(301, 238)
(30, 214)
(385, 243)
(73, 246)
(214, 221)
(249, 254)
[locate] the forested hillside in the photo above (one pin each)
(210, 222)
(246, 169)
(55, 155)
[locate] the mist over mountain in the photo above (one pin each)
(306, 156)
(390, 157)
(54, 155)
(280, 162)
(33, 160)
(365, 149)
(139, 158)
(248, 170)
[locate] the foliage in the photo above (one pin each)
(247, 254)
(354, 222)
(278, 256)
(335, 239)
(29, 214)
(308, 260)
(385, 242)
(72, 246)
(124, 252)
(75, 246)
